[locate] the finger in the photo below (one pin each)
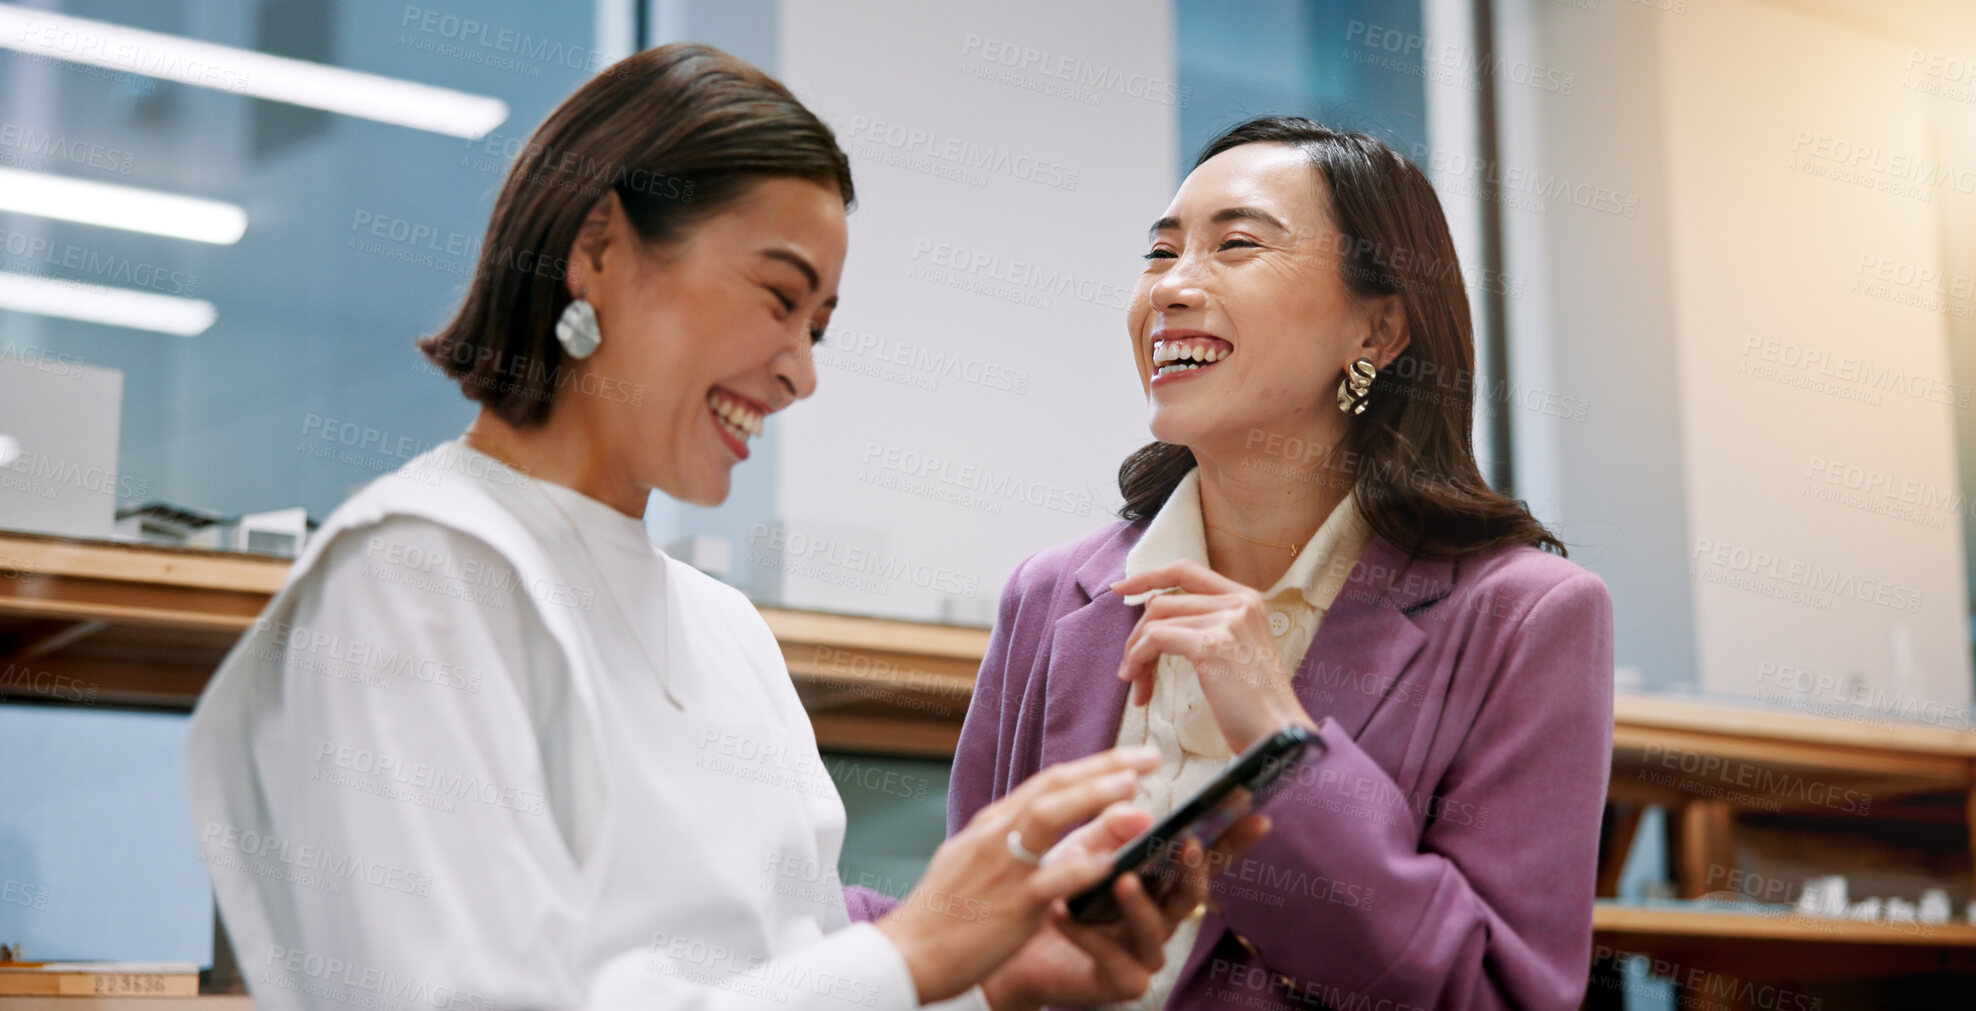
(1070, 792)
(1141, 655)
(1189, 575)
(1173, 604)
(1185, 637)
(1240, 837)
(1232, 846)
(1117, 825)
(1207, 615)
(1132, 640)
(1190, 887)
(1071, 873)
(1144, 924)
(1152, 616)
(1118, 968)
(1051, 815)
(1137, 759)
(1120, 824)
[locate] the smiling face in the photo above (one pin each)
(1241, 322)
(716, 329)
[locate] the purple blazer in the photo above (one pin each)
(1438, 851)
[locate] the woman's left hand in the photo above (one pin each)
(1222, 628)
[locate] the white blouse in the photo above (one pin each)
(1178, 719)
(491, 749)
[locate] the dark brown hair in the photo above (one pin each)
(679, 132)
(1410, 458)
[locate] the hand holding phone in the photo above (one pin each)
(1247, 784)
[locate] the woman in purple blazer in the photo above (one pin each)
(1310, 541)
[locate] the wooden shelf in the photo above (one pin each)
(122, 624)
(1785, 946)
(1614, 919)
(1711, 763)
(140, 625)
(202, 1002)
(1732, 721)
(1653, 737)
(871, 684)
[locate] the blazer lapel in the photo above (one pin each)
(1367, 639)
(1083, 698)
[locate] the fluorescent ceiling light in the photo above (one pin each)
(275, 78)
(93, 303)
(125, 207)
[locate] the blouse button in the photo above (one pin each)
(1279, 623)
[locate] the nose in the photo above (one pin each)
(1179, 288)
(795, 374)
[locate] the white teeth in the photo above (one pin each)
(1173, 351)
(1172, 356)
(737, 417)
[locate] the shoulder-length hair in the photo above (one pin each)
(679, 133)
(1410, 458)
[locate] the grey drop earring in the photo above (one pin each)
(577, 330)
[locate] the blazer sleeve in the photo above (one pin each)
(866, 906)
(1491, 906)
(980, 760)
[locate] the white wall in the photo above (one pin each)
(976, 392)
(1590, 316)
(1771, 247)
(1777, 313)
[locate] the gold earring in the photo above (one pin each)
(1356, 388)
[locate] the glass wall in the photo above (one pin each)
(359, 233)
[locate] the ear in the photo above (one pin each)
(1386, 332)
(593, 240)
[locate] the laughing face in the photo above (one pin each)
(717, 330)
(1241, 322)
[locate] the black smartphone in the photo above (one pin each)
(1247, 784)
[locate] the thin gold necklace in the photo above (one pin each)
(1291, 548)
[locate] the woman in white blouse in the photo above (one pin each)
(488, 748)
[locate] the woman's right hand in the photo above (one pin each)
(977, 903)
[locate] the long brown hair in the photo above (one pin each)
(1410, 458)
(679, 133)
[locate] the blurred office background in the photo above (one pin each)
(1719, 252)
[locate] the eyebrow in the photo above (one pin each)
(809, 272)
(1223, 216)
